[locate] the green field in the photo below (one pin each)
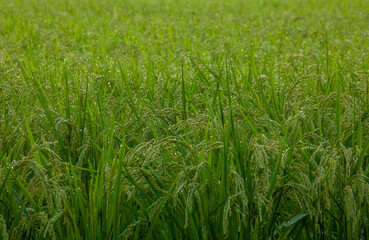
(190, 119)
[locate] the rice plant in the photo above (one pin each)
(184, 119)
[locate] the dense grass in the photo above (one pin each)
(184, 119)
